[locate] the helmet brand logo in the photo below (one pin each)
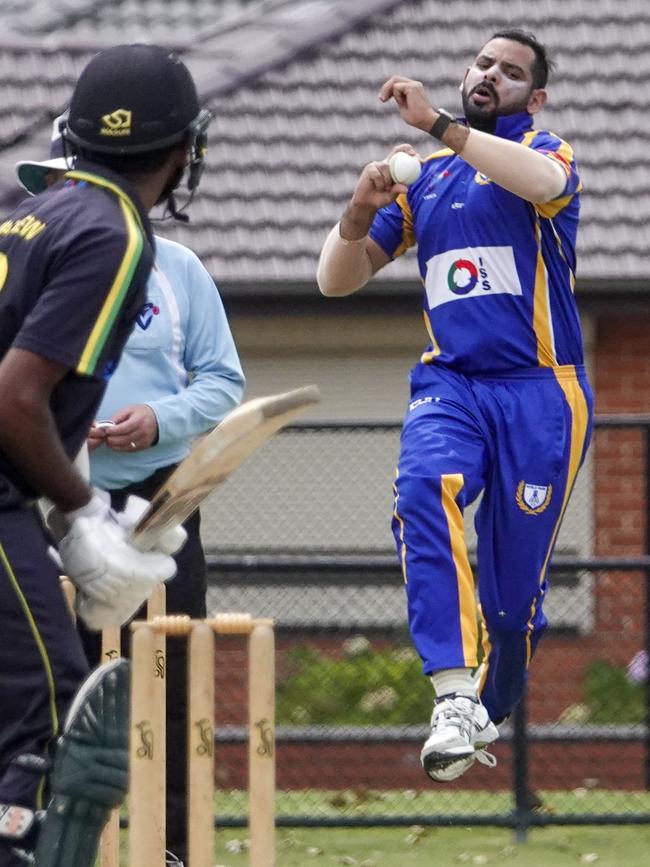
(117, 123)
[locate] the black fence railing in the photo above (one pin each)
(576, 751)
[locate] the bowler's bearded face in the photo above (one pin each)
(498, 82)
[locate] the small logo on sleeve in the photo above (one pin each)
(480, 178)
(109, 369)
(533, 499)
(117, 123)
(420, 401)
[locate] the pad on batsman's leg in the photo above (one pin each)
(90, 775)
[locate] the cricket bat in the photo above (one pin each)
(216, 456)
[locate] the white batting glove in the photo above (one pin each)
(98, 615)
(58, 523)
(171, 541)
(99, 560)
(98, 506)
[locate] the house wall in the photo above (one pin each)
(360, 362)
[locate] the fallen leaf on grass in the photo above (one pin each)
(235, 846)
(288, 840)
(415, 834)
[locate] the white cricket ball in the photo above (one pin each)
(404, 168)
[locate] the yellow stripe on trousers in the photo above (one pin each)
(487, 648)
(40, 644)
(451, 485)
(400, 521)
(579, 421)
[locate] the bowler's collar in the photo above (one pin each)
(511, 126)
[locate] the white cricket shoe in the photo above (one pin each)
(460, 731)
(452, 771)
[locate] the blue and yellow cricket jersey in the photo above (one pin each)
(500, 407)
(498, 271)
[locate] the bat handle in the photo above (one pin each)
(141, 540)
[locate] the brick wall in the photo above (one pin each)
(621, 381)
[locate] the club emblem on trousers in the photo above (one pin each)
(533, 499)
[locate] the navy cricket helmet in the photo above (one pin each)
(131, 99)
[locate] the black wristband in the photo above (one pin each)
(441, 123)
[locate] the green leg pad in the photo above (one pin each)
(70, 833)
(90, 775)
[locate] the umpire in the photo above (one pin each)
(73, 266)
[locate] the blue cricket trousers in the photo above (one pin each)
(519, 439)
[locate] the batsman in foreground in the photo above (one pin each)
(500, 404)
(74, 262)
(178, 376)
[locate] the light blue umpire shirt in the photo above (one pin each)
(180, 360)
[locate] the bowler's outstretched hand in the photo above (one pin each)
(414, 105)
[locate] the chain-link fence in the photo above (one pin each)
(302, 534)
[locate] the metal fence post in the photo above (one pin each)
(522, 813)
(647, 682)
(647, 608)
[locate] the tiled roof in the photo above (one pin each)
(286, 150)
(294, 94)
(35, 85)
(126, 20)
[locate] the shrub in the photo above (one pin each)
(611, 696)
(364, 687)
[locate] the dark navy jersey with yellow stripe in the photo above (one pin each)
(74, 263)
(498, 271)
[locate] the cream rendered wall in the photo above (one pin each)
(360, 363)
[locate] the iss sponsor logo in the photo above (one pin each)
(464, 275)
(533, 499)
(472, 272)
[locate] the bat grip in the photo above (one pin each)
(142, 541)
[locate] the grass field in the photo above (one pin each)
(449, 847)
(418, 846)
(614, 846)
